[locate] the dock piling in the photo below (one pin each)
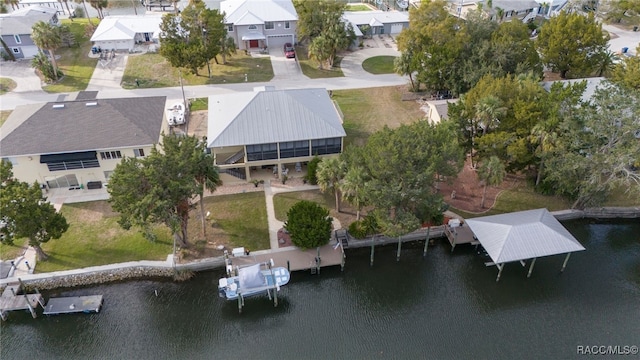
(426, 242)
(373, 245)
(399, 248)
(533, 262)
(564, 264)
(500, 267)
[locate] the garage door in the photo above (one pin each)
(29, 51)
(278, 41)
(396, 28)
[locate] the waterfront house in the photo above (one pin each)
(255, 24)
(66, 144)
(272, 131)
(16, 29)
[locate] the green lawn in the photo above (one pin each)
(379, 65)
(310, 67)
(75, 63)
(200, 104)
(95, 238)
(240, 219)
(10, 252)
(369, 110)
(6, 85)
(358, 7)
(4, 114)
(518, 199)
(154, 71)
(284, 201)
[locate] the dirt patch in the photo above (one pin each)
(198, 123)
(95, 211)
(465, 192)
(551, 76)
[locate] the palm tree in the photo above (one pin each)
(488, 110)
(352, 188)
(319, 50)
(86, 12)
(47, 37)
(492, 172)
(545, 136)
(206, 176)
(13, 3)
(66, 2)
(330, 172)
(606, 62)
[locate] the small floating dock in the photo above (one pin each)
(74, 304)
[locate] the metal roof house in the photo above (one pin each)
(272, 129)
(521, 236)
(257, 24)
(125, 31)
(72, 143)
(16, 28)
(377, 21)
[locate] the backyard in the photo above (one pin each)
(154, 71)
(74, 61)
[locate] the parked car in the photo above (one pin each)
(289, 51)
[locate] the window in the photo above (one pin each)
(229, 27)
(326, 146)
(294, 149)
(16, 50)
(17, 38)
(262, 152)
(287, 25)
(268, 25)
(253, 27)
(106, 155)
(138, 152)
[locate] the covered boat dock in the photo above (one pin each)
(522, 236)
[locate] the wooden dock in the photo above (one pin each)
(74, 304)
(11, 300)
(295, 259)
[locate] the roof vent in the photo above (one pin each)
(58, 106)
(92, 104)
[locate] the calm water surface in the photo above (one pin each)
(447, 306)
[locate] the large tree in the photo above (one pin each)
(402, 167)
(194, 37)
(313, 16)
(335, 35)
(572, 43)
(47, 37)
(627, 72)
(597, 149)
(308, 224)
(158, 189)
(26, 212)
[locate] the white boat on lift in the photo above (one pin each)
(175, 114)
(253, 280)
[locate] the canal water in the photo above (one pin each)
(445, 306)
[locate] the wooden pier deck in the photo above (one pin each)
(295, 258)
(74, 304)
(12, 301)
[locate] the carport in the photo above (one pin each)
(521, 236)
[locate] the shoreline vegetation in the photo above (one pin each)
(180, 272)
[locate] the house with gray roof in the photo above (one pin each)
(16, 28)
(377, 22)
(272, 129)
(255, 24)
(71, 143)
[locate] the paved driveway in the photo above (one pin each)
(22, 73)
(283, 68)
(108, 73)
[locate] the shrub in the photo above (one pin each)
(312, 167)
(309, 225)
(357, 230)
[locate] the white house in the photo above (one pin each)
(272, 129)
(257, 24)
(71, 143)
(377, 21)
(123, 32)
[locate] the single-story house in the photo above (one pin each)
(523, 10)
(374, 22)
(123, 32)
(437, 110)
(255, 24)
(71, 143)
(16, 28)
(59, 6)
(461, 8)
(272, 129)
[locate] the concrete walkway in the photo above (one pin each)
(24, 264)
(108, 74)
